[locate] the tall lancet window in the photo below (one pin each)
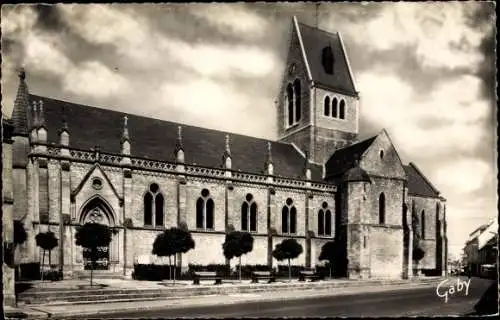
(342, 109)
(327, 106)
(381, 209)
(249, 214)
(422, 222)
(289, 218)
(205, 211)
(153, 206)
(289, 100)
(335, 108)
(324, 221)
(298, 94)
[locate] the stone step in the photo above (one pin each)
(76, 296)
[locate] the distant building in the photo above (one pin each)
(75, 164)
(481, 247)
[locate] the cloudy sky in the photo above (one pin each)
(425, 71)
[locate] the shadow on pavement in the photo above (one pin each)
(23, 286)
(488, 304)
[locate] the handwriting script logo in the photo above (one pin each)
(448, 287)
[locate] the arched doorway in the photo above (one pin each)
(97, 211)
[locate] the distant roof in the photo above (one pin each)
(315, 40)
(156, 139)
(418, 184)
(346, 158)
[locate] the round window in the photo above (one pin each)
(96, 183)
(289, 201)
(249, 197)
(204, 193)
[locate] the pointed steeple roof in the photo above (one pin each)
(20, 117)
(322, 51)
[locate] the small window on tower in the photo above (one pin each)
(327, 59)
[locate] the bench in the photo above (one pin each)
(263, 275)
(206, 275)
(308, 274)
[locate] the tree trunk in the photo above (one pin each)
(169, 267)
(330, 270)
(93, 258)
(175, 266)
(239, 273)
(50, 260)
(289, 272)
(43, 263)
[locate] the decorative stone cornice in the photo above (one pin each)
(79, 157)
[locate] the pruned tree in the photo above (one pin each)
(163, 246)
(182, 243)
(331, 252)
(287, 249)
(92, 236)
(47, 241)
(237, 243)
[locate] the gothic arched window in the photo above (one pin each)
(342, 109)
(284, 219)
(321, 222)
(298, 93)
(205, 211)
(249, 214)
(253, 217)
(328, 223)
(324, 221)
(293, 220)
(153, 206)
(381, 209)
(334, 107)
(289, 100)
(289, 217)
(422, 222)
(327, 106)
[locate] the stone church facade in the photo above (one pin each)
(74, 164)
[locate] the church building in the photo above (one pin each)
(317, 182)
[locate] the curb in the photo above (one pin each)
(204, 302)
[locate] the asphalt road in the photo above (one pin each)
(420, 301)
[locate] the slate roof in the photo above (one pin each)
(345, 158)
(156, 140)
(314, 41)
(418, 184)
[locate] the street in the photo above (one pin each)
(418, 301)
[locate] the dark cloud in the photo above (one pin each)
(49, 17)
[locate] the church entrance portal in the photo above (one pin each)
(96, 211)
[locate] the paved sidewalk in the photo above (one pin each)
(137, 284)
(95, 309)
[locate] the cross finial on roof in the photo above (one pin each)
(41, 118)
(269, 153)
(178, 143)
(35, 114)
(22, 74)
(125, 128)
(227, 151)
(64, 120)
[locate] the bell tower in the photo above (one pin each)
(318, 103)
